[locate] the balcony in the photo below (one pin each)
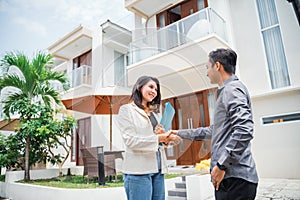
(57, 86)
(73, 44)
(196, 26)
(147, 8)
(81, 76)
(80, 81)
(179, 51)
(116, 37)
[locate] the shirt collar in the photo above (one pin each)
(230, 79)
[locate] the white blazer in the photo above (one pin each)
(141, 143)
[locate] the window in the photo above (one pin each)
(84, 59)
(180, 11)
(119, 69)
(281, 118)
(274, 50)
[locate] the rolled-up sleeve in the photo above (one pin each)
(131, 138)
(239, 113)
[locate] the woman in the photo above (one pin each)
(144, 162)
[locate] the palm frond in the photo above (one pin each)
(48, 94)
(42, 62)
(13, 80)
(17, 59)
(21, 61)
(11, 103)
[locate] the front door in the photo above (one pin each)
(191, 112)
(83, 138)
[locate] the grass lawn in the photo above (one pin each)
(77, 182)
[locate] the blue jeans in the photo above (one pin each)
(145, 186)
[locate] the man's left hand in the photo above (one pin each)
(217, 175)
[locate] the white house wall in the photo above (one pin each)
(222, 7)
(96, 59)
(249, 46)
(101, 133)
(108, 66)
(276, 146)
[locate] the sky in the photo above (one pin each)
(33, 25)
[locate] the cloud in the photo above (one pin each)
(86, 12)
(4, 5)
(31, 26)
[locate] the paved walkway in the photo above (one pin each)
(268, 189)
(281, 189)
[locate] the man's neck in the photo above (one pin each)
(224, 77)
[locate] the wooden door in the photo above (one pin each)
(191, 112)
(83, 138)
(187, 109)
(188, 8)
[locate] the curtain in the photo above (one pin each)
(277, 65)
(278, 70)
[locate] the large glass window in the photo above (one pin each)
(275, 54)
(119, 69)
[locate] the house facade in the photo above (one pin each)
(171, 41)
(94, 60)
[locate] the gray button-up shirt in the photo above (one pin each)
(231, 132)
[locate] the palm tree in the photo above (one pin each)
(30, 80)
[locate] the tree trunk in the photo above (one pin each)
(60, 170)
(27, 152)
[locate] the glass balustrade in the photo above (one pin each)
(188, 29)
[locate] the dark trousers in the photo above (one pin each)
(236, 189)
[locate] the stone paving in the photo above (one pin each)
(268, 189)
(278, 189)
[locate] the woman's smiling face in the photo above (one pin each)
(149, 92)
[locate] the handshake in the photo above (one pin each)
(168, 138)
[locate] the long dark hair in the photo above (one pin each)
(137, 96)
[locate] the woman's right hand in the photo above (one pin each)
(169, 138)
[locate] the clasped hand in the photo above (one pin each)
(168, 138)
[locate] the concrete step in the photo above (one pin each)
(183, 178)
(178, 192)
(176, 198)
(180, 185)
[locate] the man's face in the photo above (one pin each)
(212, 72)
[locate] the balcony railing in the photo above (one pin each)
(80, 76)
(188, 29)
(57, 86)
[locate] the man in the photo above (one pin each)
(233, 170)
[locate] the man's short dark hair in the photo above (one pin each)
(227, 57)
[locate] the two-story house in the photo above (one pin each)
(95, 61)
(171, 41)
